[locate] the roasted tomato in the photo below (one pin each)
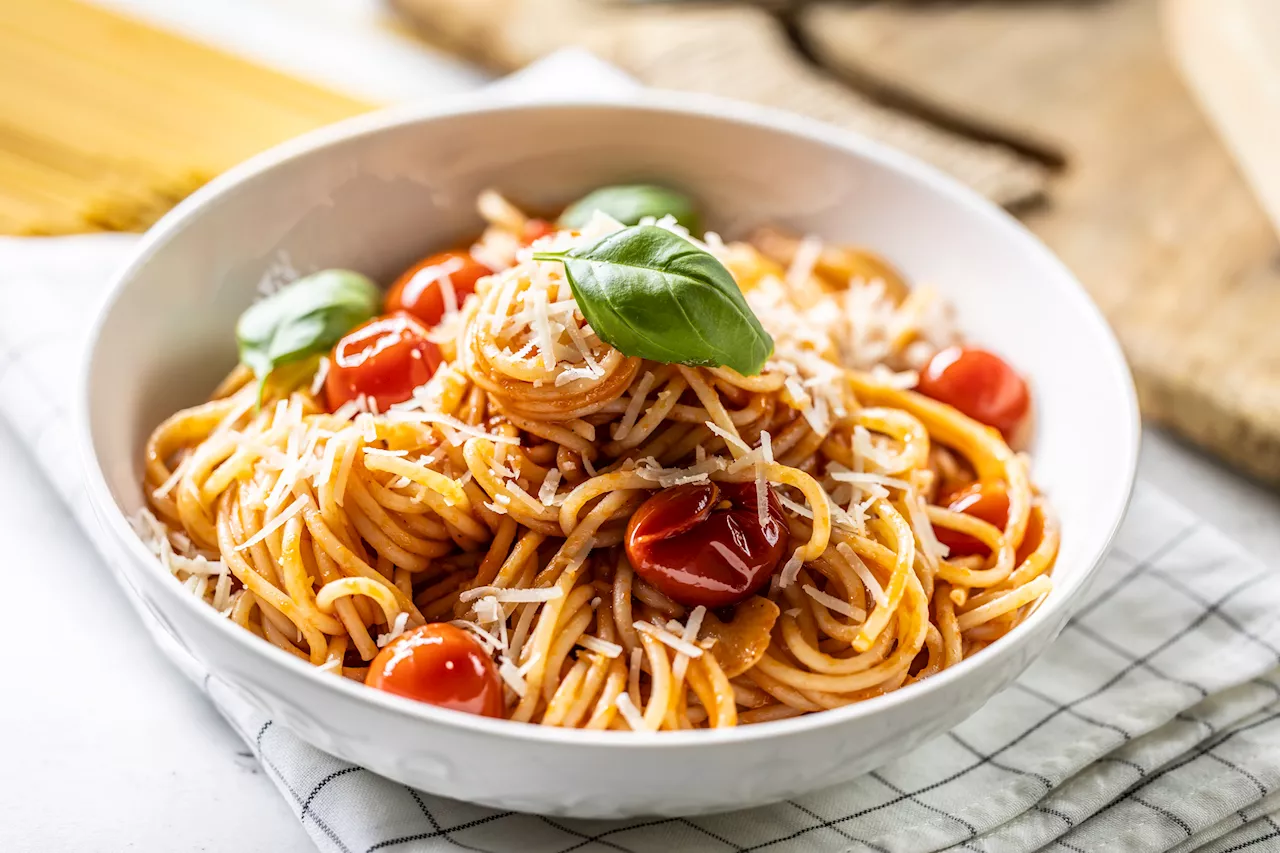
(985, 500)
(441, 665)
(419, 290)
(979, 384)
(385, 359)
(703, 543)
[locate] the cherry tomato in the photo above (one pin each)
(441, 665)
(985, 500)
(1031, 538)
(979, 384)
(696, 551)
(418, 289)
(536, 229)
(385, 359)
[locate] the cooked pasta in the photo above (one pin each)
(481, 502)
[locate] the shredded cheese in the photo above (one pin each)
(667, 638)
(512, 596)
(729, 437)
(864, 574)
(511, 675)
(830, 602)
(275, 523)
(344, 467)
(630, 712)
(397, 628)
(603, 647)
(453, 423)
(322, 373)
(547, 491)
(638, 397)
(803, 262)
(790, 571)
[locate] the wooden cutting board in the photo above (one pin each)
(1151, 211)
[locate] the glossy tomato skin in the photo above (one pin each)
(695, 550)
(978, 383)
(985, 500)
(441, 665)
(418, 288)
(385, 359)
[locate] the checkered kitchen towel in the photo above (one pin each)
(1151, 724)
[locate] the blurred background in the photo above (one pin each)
(1138, 138)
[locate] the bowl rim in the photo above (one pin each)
(640, 100)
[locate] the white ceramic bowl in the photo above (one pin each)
(378, 192)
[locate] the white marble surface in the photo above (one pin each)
(110, 748)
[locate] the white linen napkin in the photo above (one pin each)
(1151, 724)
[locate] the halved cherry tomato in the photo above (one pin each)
(536, 229)
(442, 665)
(385, 359)
(985, 500)
(695, 550)
(990, 502)
(979, 384)
(418, 291)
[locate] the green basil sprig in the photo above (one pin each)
(304, 318)
(630, 203)
(653, 294)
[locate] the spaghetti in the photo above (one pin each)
(511, 516)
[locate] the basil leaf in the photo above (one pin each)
(630, 203)
(653, 294)
(304, 318)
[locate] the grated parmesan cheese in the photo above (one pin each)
(858, 478)
(275, 523)
(864, 574)
(347, 410)
(929, 544)
(630, 712)
(344, 467)
(729, 438)
(803, 262)
(412, 416)
(790, 571)
(397, 628)
(167, 486)
(604, 647)
(378, 451)
(512, 596)
(322, 373)
(667, 638)
(486, 639)
(547, 492)
(830, 602)
(368, 429)
(511, 675)
(632, 414)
